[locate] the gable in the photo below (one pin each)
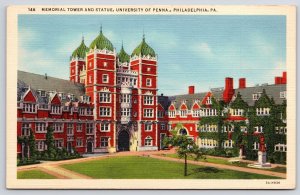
(29, 97)
(209, 94)
(55, 100)
(183, 107)
(195, 106)
(172, 107)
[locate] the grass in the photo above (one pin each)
(136, 167)
(226, 162)
(34, 174)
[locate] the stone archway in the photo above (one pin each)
(123, 141)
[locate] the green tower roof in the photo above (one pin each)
(80, 51)
(123, 56)
(143, 49)
(101, 42)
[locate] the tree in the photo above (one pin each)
(32, 147)
(50, 142)
(185, 147)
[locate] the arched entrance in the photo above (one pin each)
(89, 147)
(182, 132)
(123, 141)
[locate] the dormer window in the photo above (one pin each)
(237, 112)
(55, 109)
(172, 114)
(283, 94)
(29, 107)
(72, 97)
(256, 96)
(62, 95)
(208, 101)
(42, 93)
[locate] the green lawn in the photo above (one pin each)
(226, 162)
(136, 167)
(34, 174)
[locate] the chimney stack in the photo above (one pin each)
(278, 80)
(283, 80)
(191, 89)
(242, 83)
(46, 76)
(229, 91)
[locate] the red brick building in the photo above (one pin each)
(111, 103)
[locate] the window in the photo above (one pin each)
(237, 112)
(243, 129)
(90, 64)
(228, 144)
(148, 113)
(105, 64)
(42, 93)
(79, 142)
(104, 78)
(262, 111)
(255, 146)
(89, 128)
(104, 142)
(55, 109)
(28, 107)
(183, 113)
(280, 130)
(59, 143)
(196, 113)
(148, 82)
(81, 111)
(40, 127)
(283, 94)
(70, 127)
(172, 114)
(125, 111)
(85, 98)
(256, 96)
(160, 113)
(208, 112)
(104, 127)
(40, 145)
(280, 148)
(118, 80)
(58, 127)
(89, 111)
(125, 98)
(104, 111)
(148, 100)
(148, 69)
(90, 79)
(25, 129)
(148, 127)
(208, 101)
(105, 97)
(162, 126)
(208, 128)
(258, 129)
(79, 127)
(62, 96)
(208, 143)
(228, 128)
(148, 141)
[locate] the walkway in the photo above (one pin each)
(53, 167)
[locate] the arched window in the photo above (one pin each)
(148, 141)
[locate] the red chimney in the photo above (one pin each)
(242, 83)
(191, 89)
(283, 80)
(228, 92)
(278, 80)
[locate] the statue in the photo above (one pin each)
(262, 146)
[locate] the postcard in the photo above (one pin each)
(151, 97)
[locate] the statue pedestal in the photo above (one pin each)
(262, 161)
(241, 154)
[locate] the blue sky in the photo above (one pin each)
(192, 50)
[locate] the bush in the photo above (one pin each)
(278, 158)
(26, 161)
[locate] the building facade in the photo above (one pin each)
(111, 103)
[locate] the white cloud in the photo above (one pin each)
(203, 49)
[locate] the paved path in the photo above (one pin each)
(53, 167)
